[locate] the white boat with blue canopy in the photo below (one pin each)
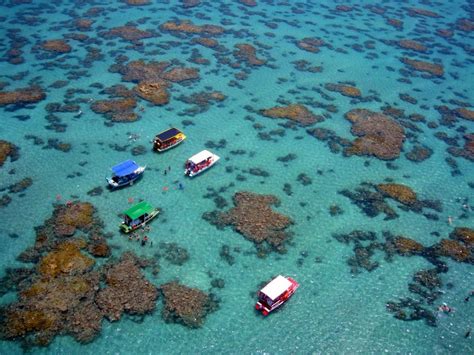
(125, 173)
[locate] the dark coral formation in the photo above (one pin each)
(465, 113)
(202, 101)
(414, 11)
(191, 3)
(398, 192)
(295, 112)
(344, 89)
(128, 33)
(254, 218)
(117, 110)
(405, 246)
(21, 185)
(467, 151)
(189, 28)
(310, 44)
(155, 92)
(371, 200)
(173, 253)
(250, 3)
(8, 149)
(419, 153)
(56, 45)
(185, 305)
(22, 96)
(413, 45)
(427, 282)
(153, 79)
(378, 135)
(427, 67)
(137, 2)
(127, 291)
(62, 294)
(247, 53)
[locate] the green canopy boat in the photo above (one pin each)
(137, 216)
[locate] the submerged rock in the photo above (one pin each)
(467, 151)
(119, 110)
(346, 90)
(247, 53)
(22, 96)
(294, 112)
(56, 45)
(190, 28)
(398, 192)
(185, 305)
(129, 33)
(254, 218)
(155, 92)
(137, 2)
(407, 246)
(7, 149)
(127, 290)
(431, 68)
(379, 135)
(62, 294)
(310, 44)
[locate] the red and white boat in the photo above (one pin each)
(200, 162)
(275, 293)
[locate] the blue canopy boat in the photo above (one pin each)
(125, 174)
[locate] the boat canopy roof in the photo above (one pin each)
(201, 156)
(125, 168)
(169, 133)
(276, 287)
(139, 210)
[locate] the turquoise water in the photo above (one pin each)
(334, 311)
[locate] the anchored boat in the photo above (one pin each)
(137, 216)
(168, 139)
(200, 162)
(275, 294)
(125, 174)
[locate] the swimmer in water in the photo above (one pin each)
(450, 220)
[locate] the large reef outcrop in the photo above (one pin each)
(185, 305)
(127, 289)
(62, 293)
(117, 110)
(295, 112)
(254, 218)
(378, 135)
(22, 96)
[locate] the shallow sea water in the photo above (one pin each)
(333, 311)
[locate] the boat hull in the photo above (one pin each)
(266, 309)
(161, 150)
(192, 173)
(127, 229)
(117, 185)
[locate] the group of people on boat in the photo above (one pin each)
(190, 166)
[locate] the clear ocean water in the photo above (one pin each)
(334, 311)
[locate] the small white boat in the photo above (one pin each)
(275, 294)
(200, 162)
